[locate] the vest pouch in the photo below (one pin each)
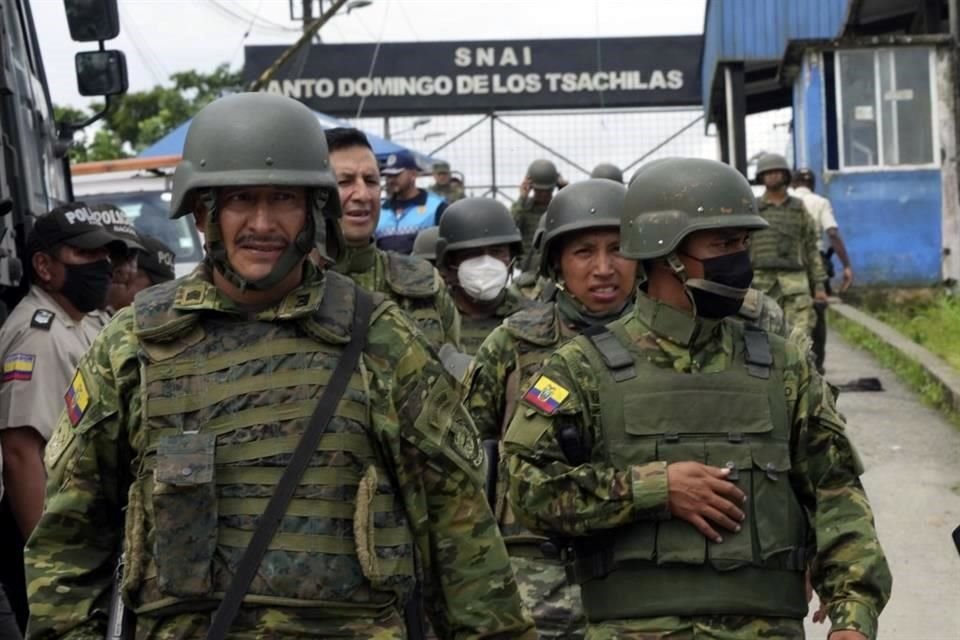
(185, 514)
(678, 541)
(736, 550)
(788, 246)
(780, 523)
(384, 543)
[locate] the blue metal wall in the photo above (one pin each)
(745, 30)
(890, 220)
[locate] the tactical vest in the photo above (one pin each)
(397, 230)
(780, 246)
(538, 332)
(414, 284)
(226, 402)
(737, 418)
(474, 330)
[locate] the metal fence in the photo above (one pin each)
(492, 151)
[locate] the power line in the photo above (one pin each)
(263, 22)
(246, 33)
(244, 19)
(155, 69)
(376, 53)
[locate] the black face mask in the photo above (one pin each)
(725, 281)
(86, 285)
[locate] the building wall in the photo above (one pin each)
(891, 220)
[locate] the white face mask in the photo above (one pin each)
(482, 278)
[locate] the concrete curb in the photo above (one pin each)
(940, 371)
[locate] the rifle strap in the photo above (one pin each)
(268, 523)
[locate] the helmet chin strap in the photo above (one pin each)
(680, 272)
(313, 235)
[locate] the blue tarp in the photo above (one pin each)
(172, 143)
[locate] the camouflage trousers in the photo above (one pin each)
(553, 603)
(699, 628)
(791, 290)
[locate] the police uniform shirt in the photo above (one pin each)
(41, 346)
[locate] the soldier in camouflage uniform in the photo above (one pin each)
(542, 179)
(604, 436)
(609, 171)
(442, 184)
(185, 412)
(477, 245)
(785, 257)
(411, 282)
(582, 229)
(425, 245)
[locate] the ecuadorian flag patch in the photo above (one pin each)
(77, 399)
(18, 366)
(546, 395)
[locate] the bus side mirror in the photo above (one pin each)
(101, 73)
(92, 20)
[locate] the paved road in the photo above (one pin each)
(912, 457)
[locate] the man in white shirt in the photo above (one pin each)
(827, 230)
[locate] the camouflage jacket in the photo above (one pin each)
(450, 192)
(762, 311)
(415, 422)
(412, 283)
(526, 215)
(550, 494)
(475, 329)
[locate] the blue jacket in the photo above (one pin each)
(402, 220)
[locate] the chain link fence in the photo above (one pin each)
(492, 151)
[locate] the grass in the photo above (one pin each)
(905, 368)
(929, 317)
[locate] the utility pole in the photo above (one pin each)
(307, 6)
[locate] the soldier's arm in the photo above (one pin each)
(432, 447)
(850, 571)
(554, 492)
(71, 555)
(815, 270)
(449, 316)
(486, 390)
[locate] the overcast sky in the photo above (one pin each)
(160, 37)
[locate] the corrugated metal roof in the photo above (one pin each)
(758, 30)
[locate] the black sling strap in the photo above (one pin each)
(277, 507)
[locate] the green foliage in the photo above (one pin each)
(906, 369)
(138, 119)
(933, 322)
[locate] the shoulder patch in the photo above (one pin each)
(42, 319)
(77, 398)
(546, 395)
(18, 366)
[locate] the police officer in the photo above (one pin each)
(155, 265)
(536, 191)
(443, 185)
(595, 285)
(609, 171)
(183, 419)
(476, 249)
(410, 282)
(407, 208)
(123, 258)
(785, 258)
(692, 460)
(40, 344)
(425, 245)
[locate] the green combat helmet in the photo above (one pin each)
(608, 171)
(425, 244)
(772, 162)
(250, 139)
(596, 203)
(675, 197)
(476, 222)
(543, 175)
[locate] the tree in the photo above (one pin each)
(138, 119)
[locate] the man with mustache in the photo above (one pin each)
(411, 282)
(276, 452)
